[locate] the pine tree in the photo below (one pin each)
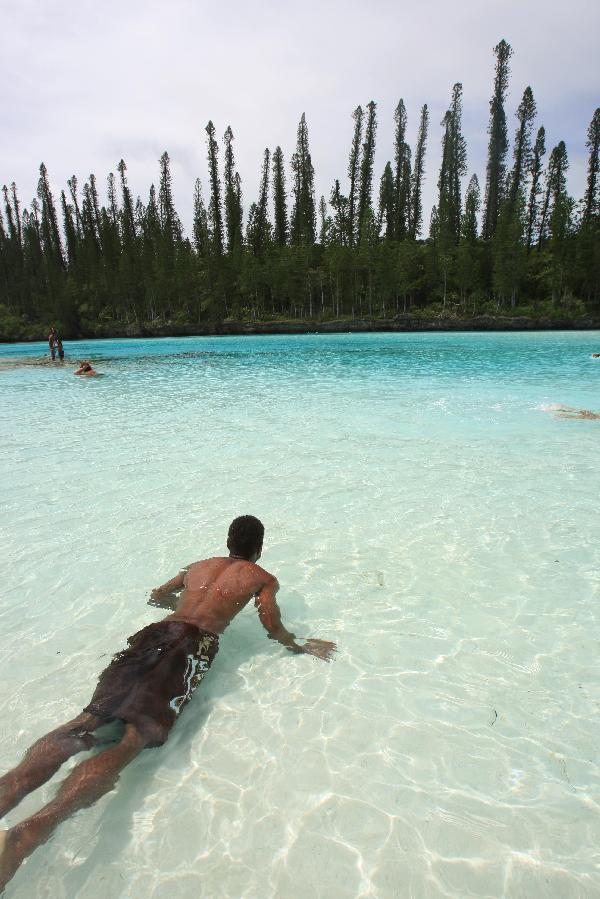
(416, 207)
(110, 234)
(130, 269)
(72, 185)
(522, 149)
(591, 202)
(403, 200)
(51, 240)
(70, 231)
(112, 199)
(365, 205)
(170, 237)
(560, 220)
(555, 187)
(303, 214)
(401, 176)
(467, 259)
(498, 143)
(508, 250)
(5, 268)
(33, 261)
(260, 231)
(214, 207)
(454, 162)
(200, 225)
(17, 212)
(353, 175)
(169, 220)
(341, 209)
(281, 230)
(128, 228)
(535, 170)
(11, 233)
(326, 224)
(233, 197)
(387, 203)
(12, 251)
(588, 248)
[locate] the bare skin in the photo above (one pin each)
(215, 590)
(212, 592)
(85, 368)
(568, 412)
(52, 338)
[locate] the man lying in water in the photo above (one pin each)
(569, 412)
(147, 685)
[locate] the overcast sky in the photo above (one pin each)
(84, 84)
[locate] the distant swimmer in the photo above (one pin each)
(85, 368)
(569, 412)
(579, 413)
(147, 685)
(595, 355)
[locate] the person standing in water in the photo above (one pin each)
(52, 341)
(147, 685)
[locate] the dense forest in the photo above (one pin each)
(518, 242)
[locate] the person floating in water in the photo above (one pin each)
(85, 368)
(569, 412)
(595, 355)
(147, 685)
(52, 341)
(578, 413)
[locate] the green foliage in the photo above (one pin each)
(303, 214)
(416, 207)
(126, 266)
(498, 143)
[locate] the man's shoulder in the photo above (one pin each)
(263, 573)
(207, 561)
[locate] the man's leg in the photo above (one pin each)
(44, 758)
(87, 782)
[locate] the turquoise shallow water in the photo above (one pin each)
(423, 508)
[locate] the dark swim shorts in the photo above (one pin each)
(150, 682)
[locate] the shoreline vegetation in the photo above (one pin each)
(398, 324)
(519, 253)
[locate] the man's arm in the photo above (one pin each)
(166, 596)
(270, 617)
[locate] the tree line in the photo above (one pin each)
(364, 251)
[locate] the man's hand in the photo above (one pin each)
(163, 600)
(321, 649)
(166, 596)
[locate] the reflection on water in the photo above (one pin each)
(421, 509)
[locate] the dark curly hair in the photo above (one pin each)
(245, 536)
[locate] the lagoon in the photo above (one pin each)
(423, 506)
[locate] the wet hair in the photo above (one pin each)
(245, 536)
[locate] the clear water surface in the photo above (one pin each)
(423, 508)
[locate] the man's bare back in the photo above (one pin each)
(214, 590)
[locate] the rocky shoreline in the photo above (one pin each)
(400, 323)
